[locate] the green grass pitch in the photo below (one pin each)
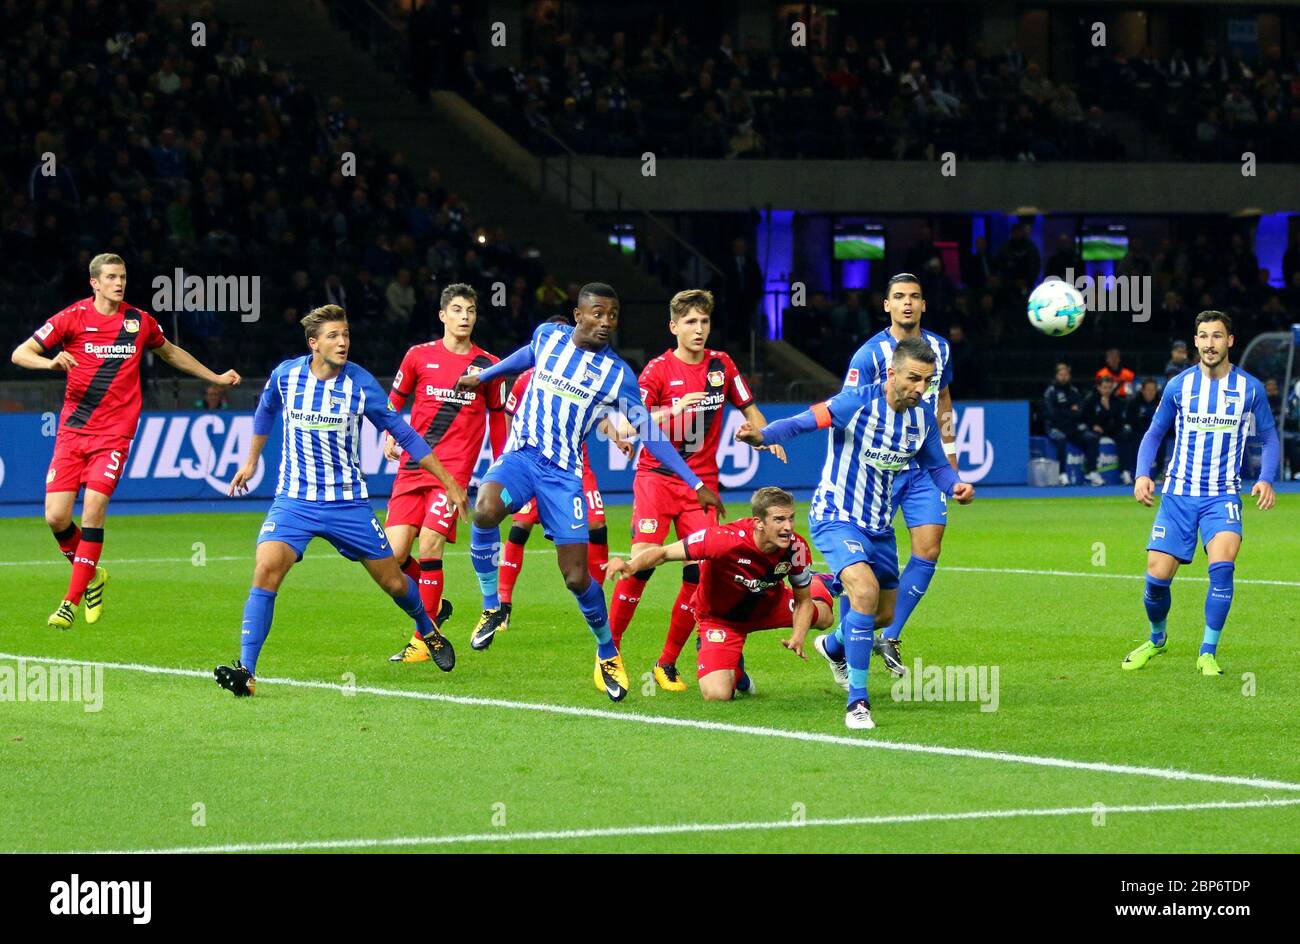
(544, 762)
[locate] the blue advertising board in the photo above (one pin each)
(194, 455)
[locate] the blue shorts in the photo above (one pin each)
(1181, 516)
(526, 475)
(351, 526)
(920, 499)
(843, 544)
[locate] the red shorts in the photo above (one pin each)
(662, 501)
(96, 462)
(421, 504)
(721, 643)
(527, 515)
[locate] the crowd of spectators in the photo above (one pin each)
(1208, 270)
(118, 134)
(689, 96)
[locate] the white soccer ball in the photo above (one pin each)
(1056, 307)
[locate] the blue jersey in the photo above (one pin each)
(321, 458)
(871, 363)
(571, 390)
(1211, 419)
(869, 443)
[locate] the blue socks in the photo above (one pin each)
(1157, 603)
(592, 603)
(835, 641)
(912, 584)
(413, 607)
(859, 635)
(258, 611)
(1218, 600)
(483, 546)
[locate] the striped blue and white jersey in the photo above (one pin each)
(1211, 419)
(321, 457)
(571, 390)
(870, 365)
(869, 444)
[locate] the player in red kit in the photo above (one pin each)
(744, 567)
(686, 390)
(521, 526)
(452, 422)
(103, 340)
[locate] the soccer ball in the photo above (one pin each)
(1056, 308)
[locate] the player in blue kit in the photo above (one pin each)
(577, 380)
(878, 430)
(924, 506)
(322, 398)
(1213, 408)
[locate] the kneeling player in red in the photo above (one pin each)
(744, 567)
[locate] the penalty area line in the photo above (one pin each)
(607, 714)
(670, 829)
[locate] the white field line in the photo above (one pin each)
(1027, 571)
(679, 828)
(695, 724)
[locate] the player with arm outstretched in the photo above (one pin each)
(742, 587)
(103, 341)
(577, 380)
(686, 390)
(1213, 408)
(523, 520)
(452, 423)
(924, 506)
(876, 431)
(322, 398)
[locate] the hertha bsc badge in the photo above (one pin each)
(716, 377)
(716, 635)
(131, 325)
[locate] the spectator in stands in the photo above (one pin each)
(1018, 259)
(400, 296)
(1103, 411)
(1064, 421)
(1114, 369)
(966, 367)
(214, 398)
(1137, 420)
(1178, 360)
(741, 292)
(1065, 260)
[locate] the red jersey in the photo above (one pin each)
(451, 421)
(517, 395)
(697, 432)
(736, 578)
(102, 397)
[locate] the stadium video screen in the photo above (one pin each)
(1104, 243)
(623, 236)
(859, 241)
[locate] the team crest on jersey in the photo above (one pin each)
(781, 568)
(852, 378)
(471, 370)
(268, 527)
(648, 525)
(1231, 395)
(716, 378)
(1157, 532)
(590, 376)
(854, 547)
(716, 635)
(131, 325)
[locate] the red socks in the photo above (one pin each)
(512, 562)
(431, 587)
(681, 623)
(84, 562)
(412, 568)
(622, 605)
(68, 541)
(598, 555)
